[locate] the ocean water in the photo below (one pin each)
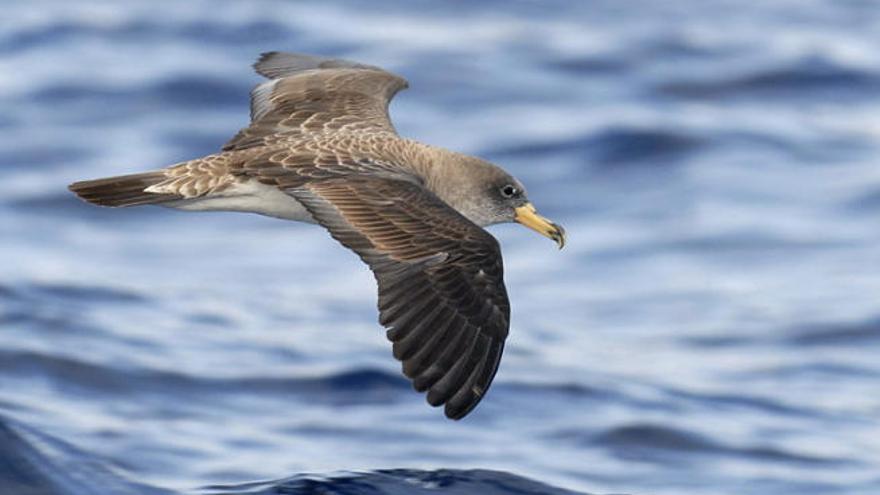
(713, 326)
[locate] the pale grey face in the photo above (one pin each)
(487, 195)
(505, 195)
(492, 198)
(508, 202)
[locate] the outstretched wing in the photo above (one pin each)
(308, 95)
(440, 277)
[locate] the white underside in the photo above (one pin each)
(251, 197)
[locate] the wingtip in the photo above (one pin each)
(265, 55)
(456, 415)
(77, 188)
(458, 408)
(261, 59)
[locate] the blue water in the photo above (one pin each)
(713, 326)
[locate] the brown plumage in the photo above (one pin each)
(321, 148)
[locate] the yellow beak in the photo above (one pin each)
(527, 216)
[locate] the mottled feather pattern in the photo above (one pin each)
(281, 166)
(342, 98)
(321, 138)
(440, 277)
(195, 178)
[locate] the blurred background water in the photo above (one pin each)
(713, 326)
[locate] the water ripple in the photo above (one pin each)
(616, 146)
(348, 385)
(808, 78)
(659, 443)
(853, 334)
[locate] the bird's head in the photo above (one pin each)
(498, 197)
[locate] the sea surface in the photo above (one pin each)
(712, 327)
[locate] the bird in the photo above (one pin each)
(321, 148)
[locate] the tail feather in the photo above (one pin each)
(122, 190)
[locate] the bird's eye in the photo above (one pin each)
(509, 191)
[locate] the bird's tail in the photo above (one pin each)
(122, 190)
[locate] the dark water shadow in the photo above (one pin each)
(666, 445)
(33, 463)
(401, 482)
(811, 77)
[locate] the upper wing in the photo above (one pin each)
(441, 287)
(308, 94)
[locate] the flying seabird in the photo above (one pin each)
(321, 148)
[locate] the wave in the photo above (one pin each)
(838, 334)
(399, 481)
(809, 77)
(350, 385)
(33, 463)
(62, 32)
(658, 443)
(616, 146)
(179, 91)
(43, 156)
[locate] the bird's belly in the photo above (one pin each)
(251, 197)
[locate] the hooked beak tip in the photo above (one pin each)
(558, 235)
(528, 216)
